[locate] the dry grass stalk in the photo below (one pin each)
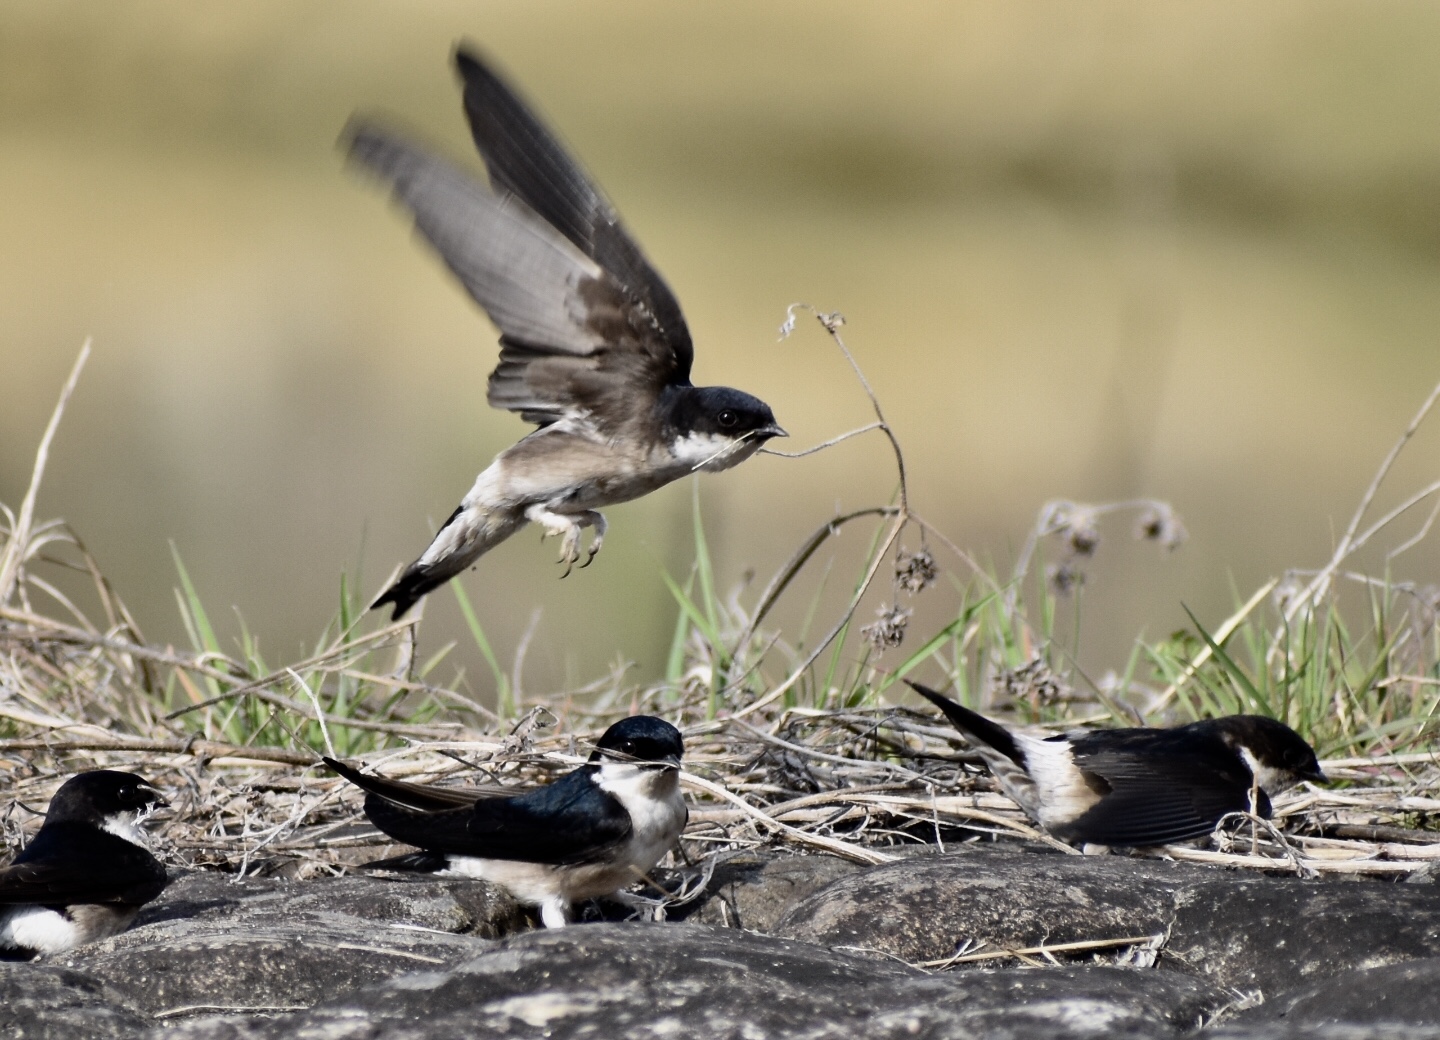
(81, 693)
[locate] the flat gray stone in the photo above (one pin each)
(705, 983)
(1277, 934)
(924, 908)
(753, 890)
(1400, 994)
(271, 947)
(42, 1002)
(448, 904)
(1298, 1031)
(1246, 931)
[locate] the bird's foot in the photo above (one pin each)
(569, 526)
(598, 522)
(555, 913)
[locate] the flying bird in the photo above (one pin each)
(594, 831)
(86, 873)
(1139, 787)
(593, 347)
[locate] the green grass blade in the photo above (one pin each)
(504, 708)
(1231, 668)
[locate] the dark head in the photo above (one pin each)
(716, 427)
(1277, 755)
(641, 739)
(98, 795)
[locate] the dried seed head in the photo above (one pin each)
(1033, 682)
(915, 571)
(1075, 524)
(1285, 591)
(1160, 523)
(888, 630)
(1064, 578)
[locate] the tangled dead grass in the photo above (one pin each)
(237, 744)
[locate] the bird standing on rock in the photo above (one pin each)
(1139, 787)
(86, 873)
(594, 831)
(593, 346)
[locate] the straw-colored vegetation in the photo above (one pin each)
(801, 738)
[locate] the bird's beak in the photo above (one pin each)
(158, 801)
(764, 433)
(1317, 777)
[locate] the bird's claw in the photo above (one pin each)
(569, 528)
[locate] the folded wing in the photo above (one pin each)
(77, 863)
(569, 821)
(1157, 797)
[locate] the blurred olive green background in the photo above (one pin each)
(1092, 251)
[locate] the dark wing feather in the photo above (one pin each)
(526, 275)
(70, 863)
(973, 726)
(424, 797)
(524, 158)
(1159, 794)
(588, 329)
(569, 821)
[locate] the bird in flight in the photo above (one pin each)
(593, 347)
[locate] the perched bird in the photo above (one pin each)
(86, 873)
(1139, 787)
(594, 831)
(593, 347)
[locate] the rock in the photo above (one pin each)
(1091, 1001)
(706, 983)
(1401, 994)
(1251, 932)
(924, 908)
(211, 944)
(1277, 934)
(414, 958)
(753, 890)
(1344, 1031)
(447, 904)
(40, 1002)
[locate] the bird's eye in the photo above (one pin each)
(727, 419)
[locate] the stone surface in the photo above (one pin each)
(447, 904)
(753, 890)
(212, 944)
(39, 1002)
(1277, 934)
(1341, 1031)
(706, 983)
(1247, 931)
(1407, 994)
(414, 959)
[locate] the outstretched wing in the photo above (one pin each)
(525, 159)
(586, 324)
(77, 863)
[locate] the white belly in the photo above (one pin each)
(657, 816)
(48, 931)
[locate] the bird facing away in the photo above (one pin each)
(593, 347)
(594, 831)
(1139, 787)
(87, 871)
